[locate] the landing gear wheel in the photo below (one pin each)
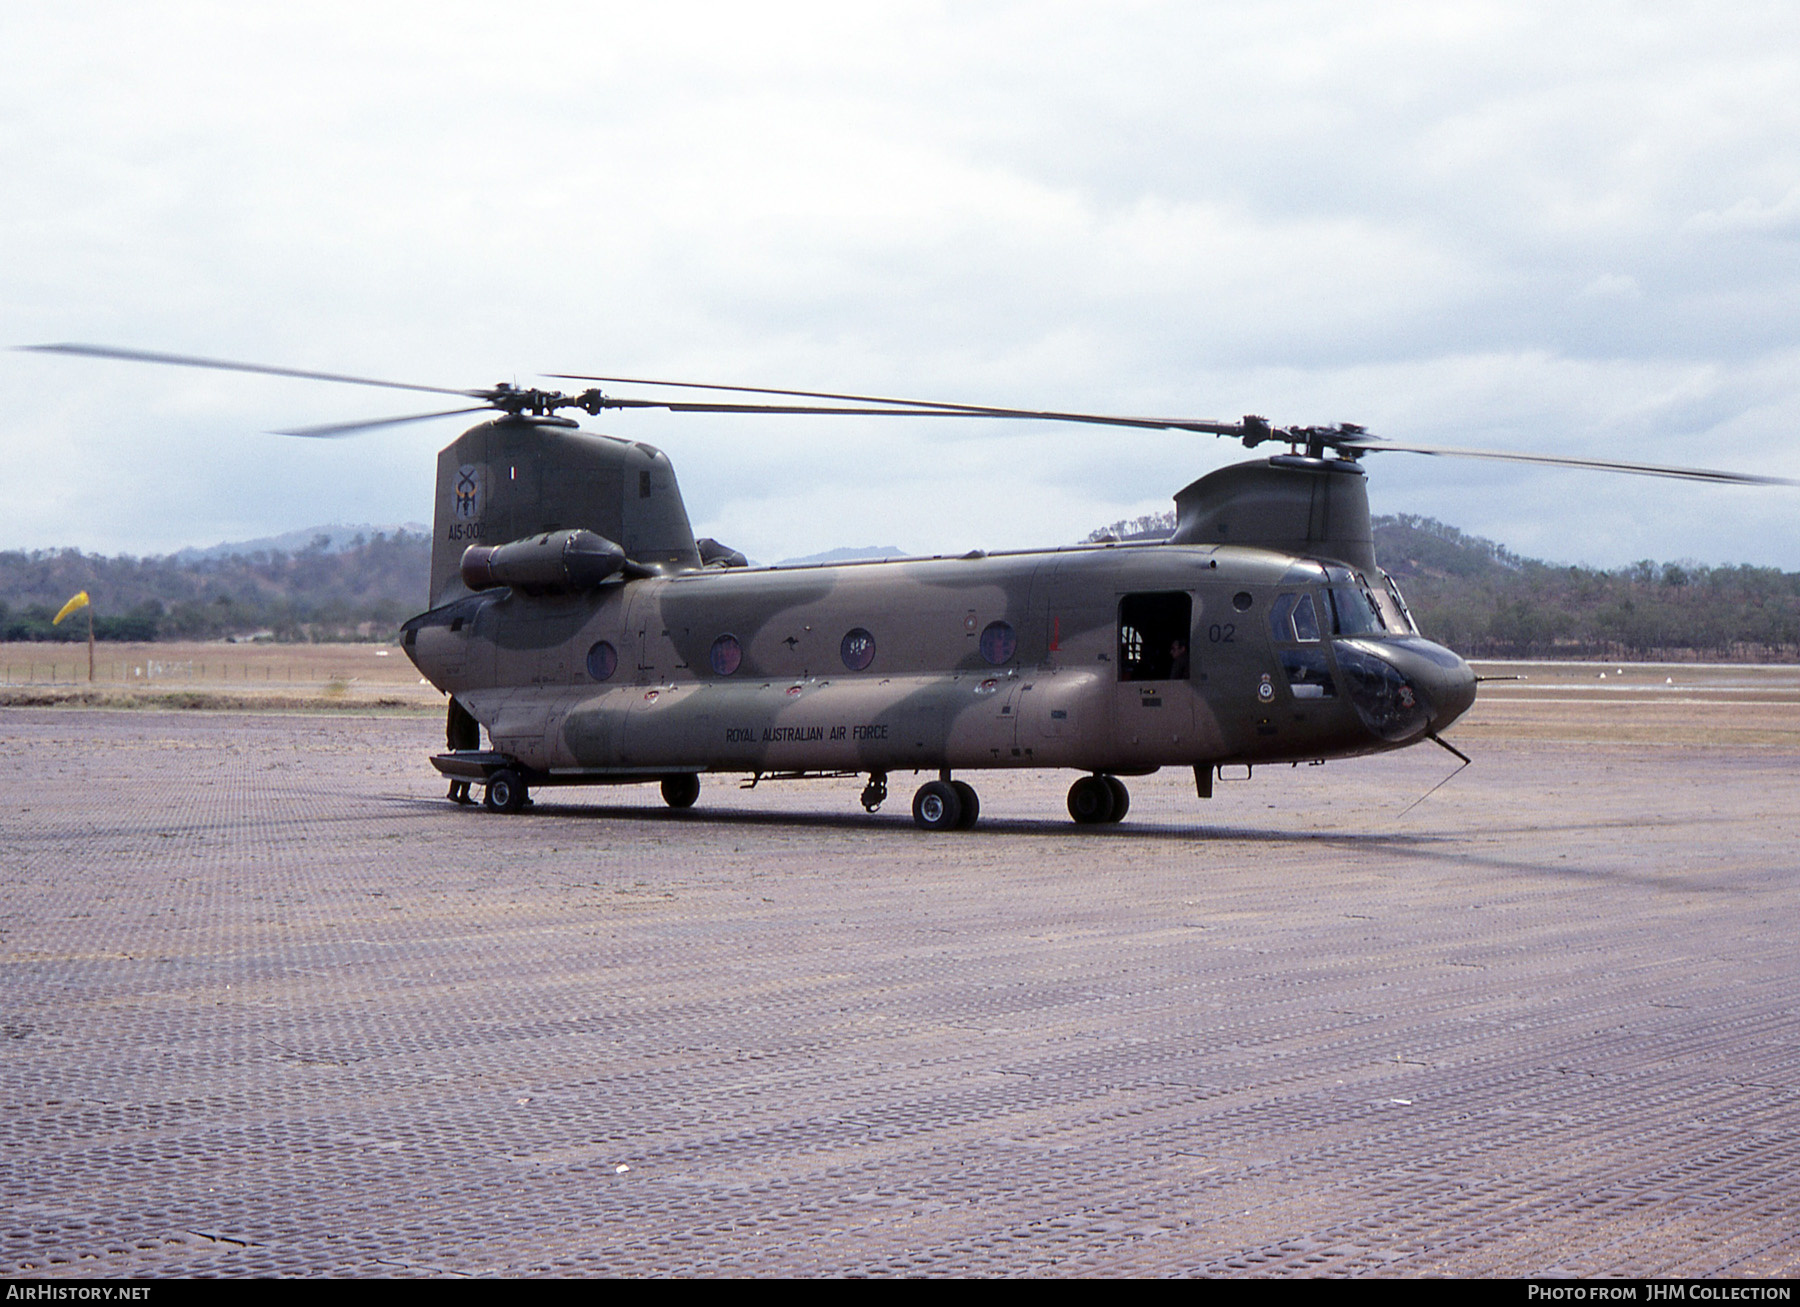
(681, 791)
(971, 804)
(937, 806)
(506, 791)
(1121, 797)
(1091, 801)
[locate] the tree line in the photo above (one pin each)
(1485, 601)
(362, 592)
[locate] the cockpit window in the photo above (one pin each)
(1280, 618)
(1355, 612)
(1306, 619)
(1293, 618)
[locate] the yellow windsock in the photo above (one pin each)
(79, 602)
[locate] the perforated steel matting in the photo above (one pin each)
(272, 1007)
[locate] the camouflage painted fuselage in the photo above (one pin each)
(1006, 660)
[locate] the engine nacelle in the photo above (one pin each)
(557, 562)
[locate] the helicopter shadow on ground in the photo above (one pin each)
(900, 824)
(1423, 850)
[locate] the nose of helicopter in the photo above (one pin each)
(1455, 695)
(1445, 681)
(1405, 689)
(1450, 685)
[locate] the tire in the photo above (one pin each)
(937, 806)
(1121, 797)
(681, 791)
(1091, 801)
(971, 804)
(506, 791)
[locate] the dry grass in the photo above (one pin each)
(223, 677)
(1638, 703)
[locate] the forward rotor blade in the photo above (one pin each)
(1597, 464)
(226, 365)
(908, 407)
(769, 390)
(682, 406)
(333, 429)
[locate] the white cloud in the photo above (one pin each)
(1612, 285)
(1781, 218)
(1541, 225)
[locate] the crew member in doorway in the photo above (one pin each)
(1178, 659)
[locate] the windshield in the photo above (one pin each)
(1355, 612)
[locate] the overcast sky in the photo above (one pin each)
(1563, 228)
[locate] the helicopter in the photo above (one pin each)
(574, 617)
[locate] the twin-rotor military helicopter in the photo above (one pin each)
(574, 616)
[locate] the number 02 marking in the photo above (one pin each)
(1221, 634)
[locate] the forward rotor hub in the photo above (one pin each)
(518, 401)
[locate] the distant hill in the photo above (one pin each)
(333, 539)
(847, 555)
(1409, 547)
(1485, 601)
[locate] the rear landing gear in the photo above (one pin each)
(506, 791)
(1098, 800)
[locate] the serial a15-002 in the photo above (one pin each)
(575, 617)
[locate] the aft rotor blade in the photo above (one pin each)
(907, 407)
(334, 429)
(227, 365)
(1597, 464)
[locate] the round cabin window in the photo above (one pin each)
(727, 655)
(1242, 601)
(998, 643)
(858, 650)
(602, 661)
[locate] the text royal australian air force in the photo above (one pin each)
(802, 734)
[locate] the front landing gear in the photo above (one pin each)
(875, 792)
(1098, 800)
(945, 804)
